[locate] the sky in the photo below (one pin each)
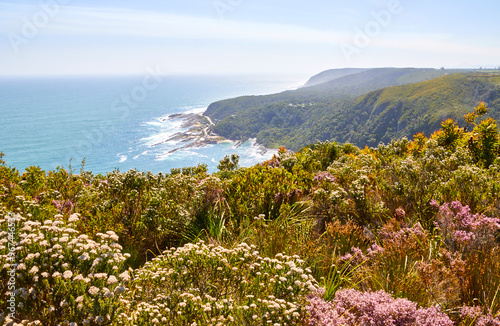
(105, 37)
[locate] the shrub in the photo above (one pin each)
(338, 240)
(393, 267)
(59, 274)
(465, 232)
(474, 316)
(290, 233)
(201, 284)
(472, 238)
(351, 307)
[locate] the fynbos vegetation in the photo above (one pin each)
(402, 234)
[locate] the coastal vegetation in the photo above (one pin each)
(404, 233)
(363, 108)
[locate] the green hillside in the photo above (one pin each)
(400, 111)
(365, 108)
(346, 87)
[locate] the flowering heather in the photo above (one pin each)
(474, 316)
(393, 235)
(464, 231)
(351, 307)
(324, 176)
(471, 237)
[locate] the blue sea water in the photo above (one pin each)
(118, 122)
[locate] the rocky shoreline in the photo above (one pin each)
(198, 134)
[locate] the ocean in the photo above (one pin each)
(119, 122)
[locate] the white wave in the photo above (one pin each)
(139, 155)
(156, 123)
(254, 152)
(165, 122)
(161, 138)
(179, 155)
(189, 153)
(196, 110)
(164, 128)
(177, 115)
(162, 157)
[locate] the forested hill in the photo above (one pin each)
(395, 112)
(364, 108)
(341, 87)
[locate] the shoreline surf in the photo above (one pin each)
(194, 132)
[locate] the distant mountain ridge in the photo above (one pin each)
(365, 107)
(332, 74)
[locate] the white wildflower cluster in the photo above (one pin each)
(472, 183)
(201, 284)
(343, 169)
(358, 188)
(62, 274)
(349, 171)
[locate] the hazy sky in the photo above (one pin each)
(53, 37)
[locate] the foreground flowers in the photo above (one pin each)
(350, 307)
(201, 284)
(61, 275)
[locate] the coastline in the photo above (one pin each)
(198, 133)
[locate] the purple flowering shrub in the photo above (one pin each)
(351, 307)
(457, 265)
(393, 265)
(473, 254)
(465, 232)
(341, 241)
(475, 316)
